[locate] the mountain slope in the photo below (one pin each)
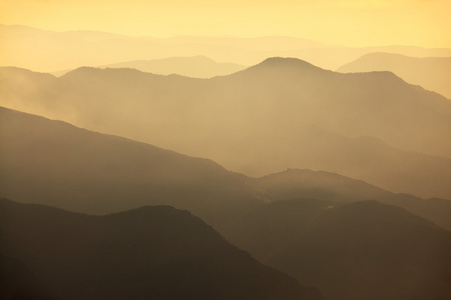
(334, 188)
(364, 250)
(432, 73)
(281, 113)
(58, 164)
(151, 252)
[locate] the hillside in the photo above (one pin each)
(150, 252)
(278, 114)
(334, 188)
(57, 164)
(432, 73)
(362, 251)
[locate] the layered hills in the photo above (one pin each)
(57, 164)
(432, 73)
(282, 113)
(276, 218)
(101, 216)
(54, 163)
(196, 66)
(49, 51)
(146, 253)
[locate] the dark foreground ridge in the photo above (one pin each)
(146, 253)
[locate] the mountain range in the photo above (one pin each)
(75, 169)
(196, 66)
(50, 51)
(275, 217)
(281, 113)
(432, 73)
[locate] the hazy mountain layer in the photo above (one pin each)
(49, 51)
(54, 163)
(432, 73)
(281, 113)
(147, 253)
(362, 251)
(334, 188)
(196, 66)
(57, 164)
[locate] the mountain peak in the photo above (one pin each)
(288, 62)
(122, 73)
(285, 65)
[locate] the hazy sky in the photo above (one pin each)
(342, 22)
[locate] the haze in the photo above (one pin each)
(346, 23)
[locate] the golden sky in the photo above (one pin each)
(340, 22)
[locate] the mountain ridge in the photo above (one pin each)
(98, 48)
(281, 119)
(160, 252)
(432, 73)
(104, 174)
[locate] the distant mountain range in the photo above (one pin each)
(432, 73)
(196, 66)
(147, 253)
(49, 51)
(278, 114)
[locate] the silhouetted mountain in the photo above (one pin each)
(196, 66)
(362, 251)
(147, 253)
(432, 73)
(281, 113)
